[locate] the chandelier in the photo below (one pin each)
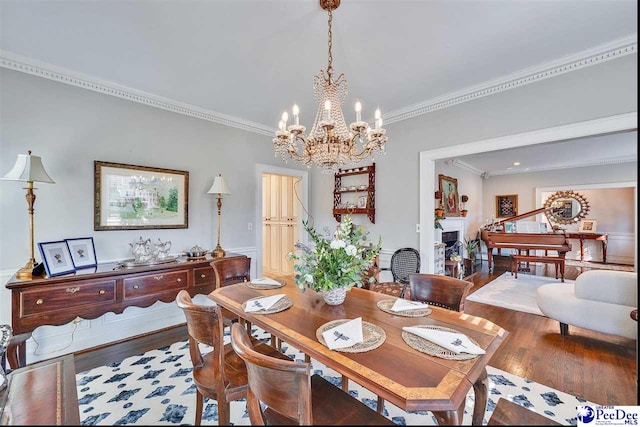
(330, 144)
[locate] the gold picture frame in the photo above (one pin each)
(130, 197)
(506, 205)
(450, 196)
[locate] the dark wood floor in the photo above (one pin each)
(598, 367)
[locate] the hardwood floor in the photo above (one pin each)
(598, 367)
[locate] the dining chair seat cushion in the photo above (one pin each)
(390, 288)
(345, 409)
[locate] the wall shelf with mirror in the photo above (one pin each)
(354, 192)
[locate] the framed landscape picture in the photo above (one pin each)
(450, 199)
(506, 205)
(129, 197)
(56, 258)
(83, 252)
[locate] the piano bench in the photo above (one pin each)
(516, 259)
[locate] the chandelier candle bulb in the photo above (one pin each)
(285, 117)
(331, 143)
(295, 110)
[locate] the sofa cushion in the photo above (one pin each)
(615, 287)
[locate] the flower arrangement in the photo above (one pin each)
(337, 263)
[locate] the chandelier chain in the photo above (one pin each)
(330, 143)
(330, 66)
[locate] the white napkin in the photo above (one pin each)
(265, 281)
(458, 343)
(264, 303)
(345, 335)
(403, 304)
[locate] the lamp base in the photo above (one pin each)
(26, 272)
(218, 252)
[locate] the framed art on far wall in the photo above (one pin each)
(506, 205)
(56, 258)
(450, 200)
(83, 252)
(588, 226)
(129, 197)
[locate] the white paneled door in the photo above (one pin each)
(279, 223)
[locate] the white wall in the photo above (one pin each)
(599, 91)
(617, 219)
(69, 128)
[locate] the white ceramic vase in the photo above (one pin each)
(335, 296)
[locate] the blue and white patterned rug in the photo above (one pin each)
(156, 388)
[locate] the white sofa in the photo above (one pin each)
(600, 300)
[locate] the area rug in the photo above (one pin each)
(515, 294)
(156, 388)
(599, 265)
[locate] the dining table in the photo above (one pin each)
(408, 378)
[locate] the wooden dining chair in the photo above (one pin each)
(219, 374)
(229, 271)
(292, 395)
(441, 291)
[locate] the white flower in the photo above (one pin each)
(337, 244)
(351, 250)
(308, 278)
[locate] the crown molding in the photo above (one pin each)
(34, 67)
(598, 162)
(466, 166)
(597, 55)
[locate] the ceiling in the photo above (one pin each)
(246, 61)
(596, 150)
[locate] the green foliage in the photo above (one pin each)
(340, 262)
(172, 203)
(162, 202)
(470, 245)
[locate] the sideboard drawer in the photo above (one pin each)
(41, 299)
(203, 276)
(155, 283)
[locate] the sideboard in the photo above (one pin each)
(90, 293)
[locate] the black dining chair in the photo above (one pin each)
(404, 262)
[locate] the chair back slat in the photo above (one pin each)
(284, 386)
(205, 326)
(404, 262)
(231, 270)
(442, 291)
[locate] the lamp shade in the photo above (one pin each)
(28, 168)
(219, 186)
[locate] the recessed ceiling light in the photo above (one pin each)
(516, 163)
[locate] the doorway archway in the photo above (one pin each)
(612, 124)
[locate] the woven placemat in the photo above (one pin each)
(264, 287)
(372, 336)
(426, 346)
(386, 304)
(281, 305)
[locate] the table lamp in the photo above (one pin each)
(219, 187)
(28, 169)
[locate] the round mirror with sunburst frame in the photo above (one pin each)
(566, 207)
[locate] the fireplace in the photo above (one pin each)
(453, 230)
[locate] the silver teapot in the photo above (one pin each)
(161, 249)
(141, 250)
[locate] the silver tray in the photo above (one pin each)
(132, 263)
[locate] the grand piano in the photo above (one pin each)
(525, 243)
